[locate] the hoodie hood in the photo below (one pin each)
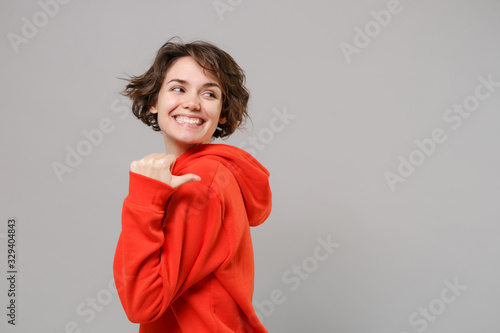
(252, 176)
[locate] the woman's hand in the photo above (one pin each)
(158, 166)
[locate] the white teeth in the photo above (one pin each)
(187, 120)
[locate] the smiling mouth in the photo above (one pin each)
(189, 120)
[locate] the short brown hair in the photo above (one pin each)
(143, 89)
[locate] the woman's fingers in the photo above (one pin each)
(158, 166)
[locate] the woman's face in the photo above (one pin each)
(189, 106)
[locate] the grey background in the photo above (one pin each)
(351, 123)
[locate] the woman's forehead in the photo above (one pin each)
(188, 69)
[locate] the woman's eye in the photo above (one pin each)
(179, 89)
(210, 94)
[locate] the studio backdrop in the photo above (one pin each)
(379, 122)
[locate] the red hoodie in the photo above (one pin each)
(184, 259)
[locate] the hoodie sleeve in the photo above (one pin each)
(170, 239)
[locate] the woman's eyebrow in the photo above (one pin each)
(206, 85)
(177, 80)
(211, 84)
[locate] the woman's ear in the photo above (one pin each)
(222, 120)
(153, 109)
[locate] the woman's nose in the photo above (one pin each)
(191, 102)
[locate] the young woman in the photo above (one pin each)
(184, 259)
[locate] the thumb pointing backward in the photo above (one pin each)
(184, 179)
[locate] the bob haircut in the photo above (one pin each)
(143, 90)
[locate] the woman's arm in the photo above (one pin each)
(171, 238)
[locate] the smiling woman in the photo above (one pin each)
(188, 106)
(229, 77)
(184, 259)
